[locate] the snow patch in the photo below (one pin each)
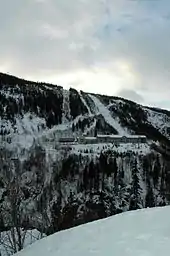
(159, 120)
(101, 109)
(84, 102)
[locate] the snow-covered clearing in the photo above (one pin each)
(107, 116)
(85, 104)
(28, 130)
(66, 107)
(159, 120)
(22, 135)
(137, 233)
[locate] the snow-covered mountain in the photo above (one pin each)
(32, 111)
(142, 232)
(61, 186)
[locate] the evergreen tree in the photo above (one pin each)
(91, 174)
(73, 127)
(85, 178)
(115, 169)
(156, 171)
(97, 178)
(149, 200)
(135, 188)
(146, 167)
(95, 132)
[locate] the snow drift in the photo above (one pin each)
(143, 233)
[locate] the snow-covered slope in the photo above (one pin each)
(101, 109)
(136, 233)
(159, 120)
(77, 183)
(29, 110)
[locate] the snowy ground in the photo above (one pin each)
(85, 104)
(159, 120)
(101, 109)
(138, 233)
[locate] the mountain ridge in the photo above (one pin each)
(67, 184)
(6, 76)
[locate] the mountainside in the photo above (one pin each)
(60, 185)
(124, 234)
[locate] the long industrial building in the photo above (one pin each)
(117, 139)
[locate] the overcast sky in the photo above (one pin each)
(114, 47)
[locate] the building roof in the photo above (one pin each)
(119, 136)
(90, 138)
(108, 136)
(135, 136)
(66, 139)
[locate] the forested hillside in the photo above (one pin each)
(59, 186)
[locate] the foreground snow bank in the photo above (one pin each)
(137, 233)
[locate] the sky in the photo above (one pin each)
(113, 47)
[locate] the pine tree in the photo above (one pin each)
(115, 169)
(146, 168)
(149, 200)
(97, 178)
(73, 127)
(135, 188)
(91, 174)
(85, 178)
(95, 132)
(156, 171)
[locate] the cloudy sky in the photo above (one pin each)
(114, 47)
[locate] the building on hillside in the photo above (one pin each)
(109, 138)
(87, 140)
(136, 138)
(67, 140)
(121, 139)
(116, 139)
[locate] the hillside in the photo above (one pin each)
(123, 234)
(64, 185)
(30, 111)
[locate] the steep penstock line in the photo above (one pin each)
(107, 116)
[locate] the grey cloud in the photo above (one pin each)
(131, 95)
(59, 36)
(26, 35)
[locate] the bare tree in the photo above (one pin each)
(10, 210)
(14, 238)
